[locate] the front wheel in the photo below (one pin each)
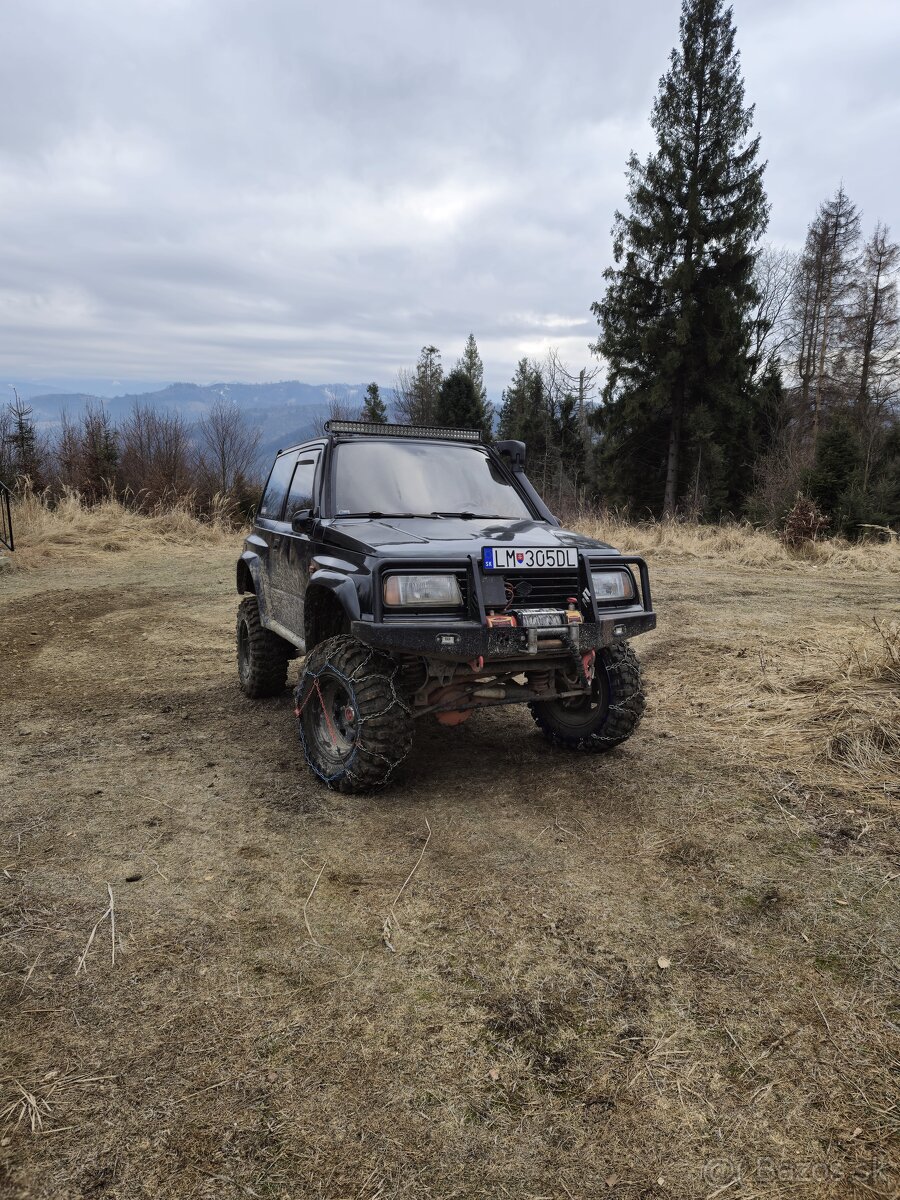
(604, 717)
(355, 725)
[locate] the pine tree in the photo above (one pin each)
(512, 408)
(676, 317)
(872, 343)
(100, 453)
(823, 287)
(25, 453)
(528, 415)
(418, 392)
(571, 445)
(471, 364)
(374, 408)
(834, 482)
(458, 404)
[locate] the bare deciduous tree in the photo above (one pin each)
(228, 445)
(341, 407)
(156, 453)
(774, 276)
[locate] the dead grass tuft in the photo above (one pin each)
(47, 528)
(541, 1029)
(818, 704)
(686, 852)
(738, 543)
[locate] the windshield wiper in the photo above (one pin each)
(374, 514)
(469, 516)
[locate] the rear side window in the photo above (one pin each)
(302, 485)
(277, 487)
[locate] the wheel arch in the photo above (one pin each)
(331, 604)
(248, 574)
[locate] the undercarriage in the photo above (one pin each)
(452, 691)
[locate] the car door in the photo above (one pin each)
(290, 566)
(269, 531)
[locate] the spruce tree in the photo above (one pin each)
(22, 439)
(471, 364)
(676, 317)
(823, 291)
(374, 408)
(512, 409)
(417, 392)
(528, 414)
(458, 405)
(834, 481)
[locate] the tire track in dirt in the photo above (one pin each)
(520, 1031)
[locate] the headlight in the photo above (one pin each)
(422, 591)
(613, 585)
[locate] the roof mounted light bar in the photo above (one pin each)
(368, 428)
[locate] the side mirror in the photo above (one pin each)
(514, 453)
(301, 520)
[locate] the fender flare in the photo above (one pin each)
(338, 585)
(249, 564)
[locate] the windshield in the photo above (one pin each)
(421, 479)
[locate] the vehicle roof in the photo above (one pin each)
(333, 438)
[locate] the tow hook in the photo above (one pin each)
(587, 663)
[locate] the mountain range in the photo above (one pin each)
(286, 412)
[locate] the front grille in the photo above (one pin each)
(543, 589)
(462, 578)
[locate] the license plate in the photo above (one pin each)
(539, 618)
(527, 558)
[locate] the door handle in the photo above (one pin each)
(276, 541)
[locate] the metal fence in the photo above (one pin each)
(6, 529)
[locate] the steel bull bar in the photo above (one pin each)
(445, 638)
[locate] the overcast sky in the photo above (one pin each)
(272, 189)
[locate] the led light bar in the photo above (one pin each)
(368, 428)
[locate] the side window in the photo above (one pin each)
(301, 493)
(276, 488)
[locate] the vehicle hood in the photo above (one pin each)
(448, 537)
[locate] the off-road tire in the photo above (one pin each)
(619, 698)
(354, 722)
(262, 655)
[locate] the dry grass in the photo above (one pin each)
(660, 974)
(109, 526)
(824, 706)
(739, 544)
(71, 528)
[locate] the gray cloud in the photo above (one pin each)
(224, 189)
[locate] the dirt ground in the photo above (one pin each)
(665, 972)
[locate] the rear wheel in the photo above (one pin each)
(604, 717)
(355, 726)
(262, 655)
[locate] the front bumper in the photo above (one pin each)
(458, 641)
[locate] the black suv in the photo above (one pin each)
(422, 575)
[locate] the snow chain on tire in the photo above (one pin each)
(622, 714)
(380, 715)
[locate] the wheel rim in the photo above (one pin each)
(331, 723)
(243, 651)
(585, 713)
